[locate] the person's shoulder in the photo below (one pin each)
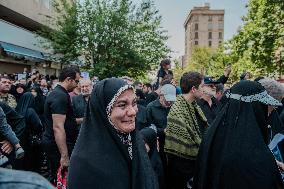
(22, 179)
(153, 104)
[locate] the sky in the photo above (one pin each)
(174, 13)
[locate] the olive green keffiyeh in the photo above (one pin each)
(182, 133)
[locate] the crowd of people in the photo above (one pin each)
(121, 133)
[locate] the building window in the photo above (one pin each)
(210, 26)
(195, 42)
(210, 43)
(220, 35)
(196, 27)
(210, 35)
(195, 18)
(220, 26)
(220, 18)
(196, 35)
(47, 3)
(210, 18)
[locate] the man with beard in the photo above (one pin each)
(208, 103)
(61, 129)
(79, 102)
(5, 86)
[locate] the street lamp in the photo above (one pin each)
(281, 59)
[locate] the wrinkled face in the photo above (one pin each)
(86, 88)
(5, 85)
(73, 83)
(20, 90)
(198, 92)
(124, 112)
(209, 89)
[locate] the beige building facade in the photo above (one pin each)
(19, 44)
(204, 27)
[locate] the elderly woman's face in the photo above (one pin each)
(124, 112)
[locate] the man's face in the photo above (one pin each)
(198, 91)
(23, 81)
(73, 83)
(86, 88)
(209, 89)
(5, 85)
(145, 89)
(43, 83)
(164, 102)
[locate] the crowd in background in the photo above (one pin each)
(191, 131)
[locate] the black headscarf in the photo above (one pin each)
(234, 152)
(39, 100)
(100, 159)
(26, 101)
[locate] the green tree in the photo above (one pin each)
(261, 35)
(115, 37)
(61, 34)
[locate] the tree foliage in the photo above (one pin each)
(115, 37)
(261, 35)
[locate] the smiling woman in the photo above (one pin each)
(109, 153)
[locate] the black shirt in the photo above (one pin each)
(209, 112)
(150, 97)
(157, 115)
(59, 102)
(79, 106)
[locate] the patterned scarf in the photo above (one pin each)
(182, 133)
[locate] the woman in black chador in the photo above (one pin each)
(234, 152)
(109, 153)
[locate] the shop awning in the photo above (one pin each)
(18, 50)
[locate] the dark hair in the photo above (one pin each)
(137, 83)
(148, 85)
(189, 80)
(166, 81)
(5, 77)
(219, 87)
(165, 62)
(68, 72)
(258, 78)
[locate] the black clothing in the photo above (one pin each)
(59, 102)
(33, 155)
(79, 106)
(209, 112)
(223, 79)
(234, 152)
(100, 159)
(180, 170)
(26, 107)
(141, 118)
(15, 120)
(162, 73)
(150, 97)
(150, 137)
(157, 115)
(276, 124)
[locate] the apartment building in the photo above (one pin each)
(204, 27)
